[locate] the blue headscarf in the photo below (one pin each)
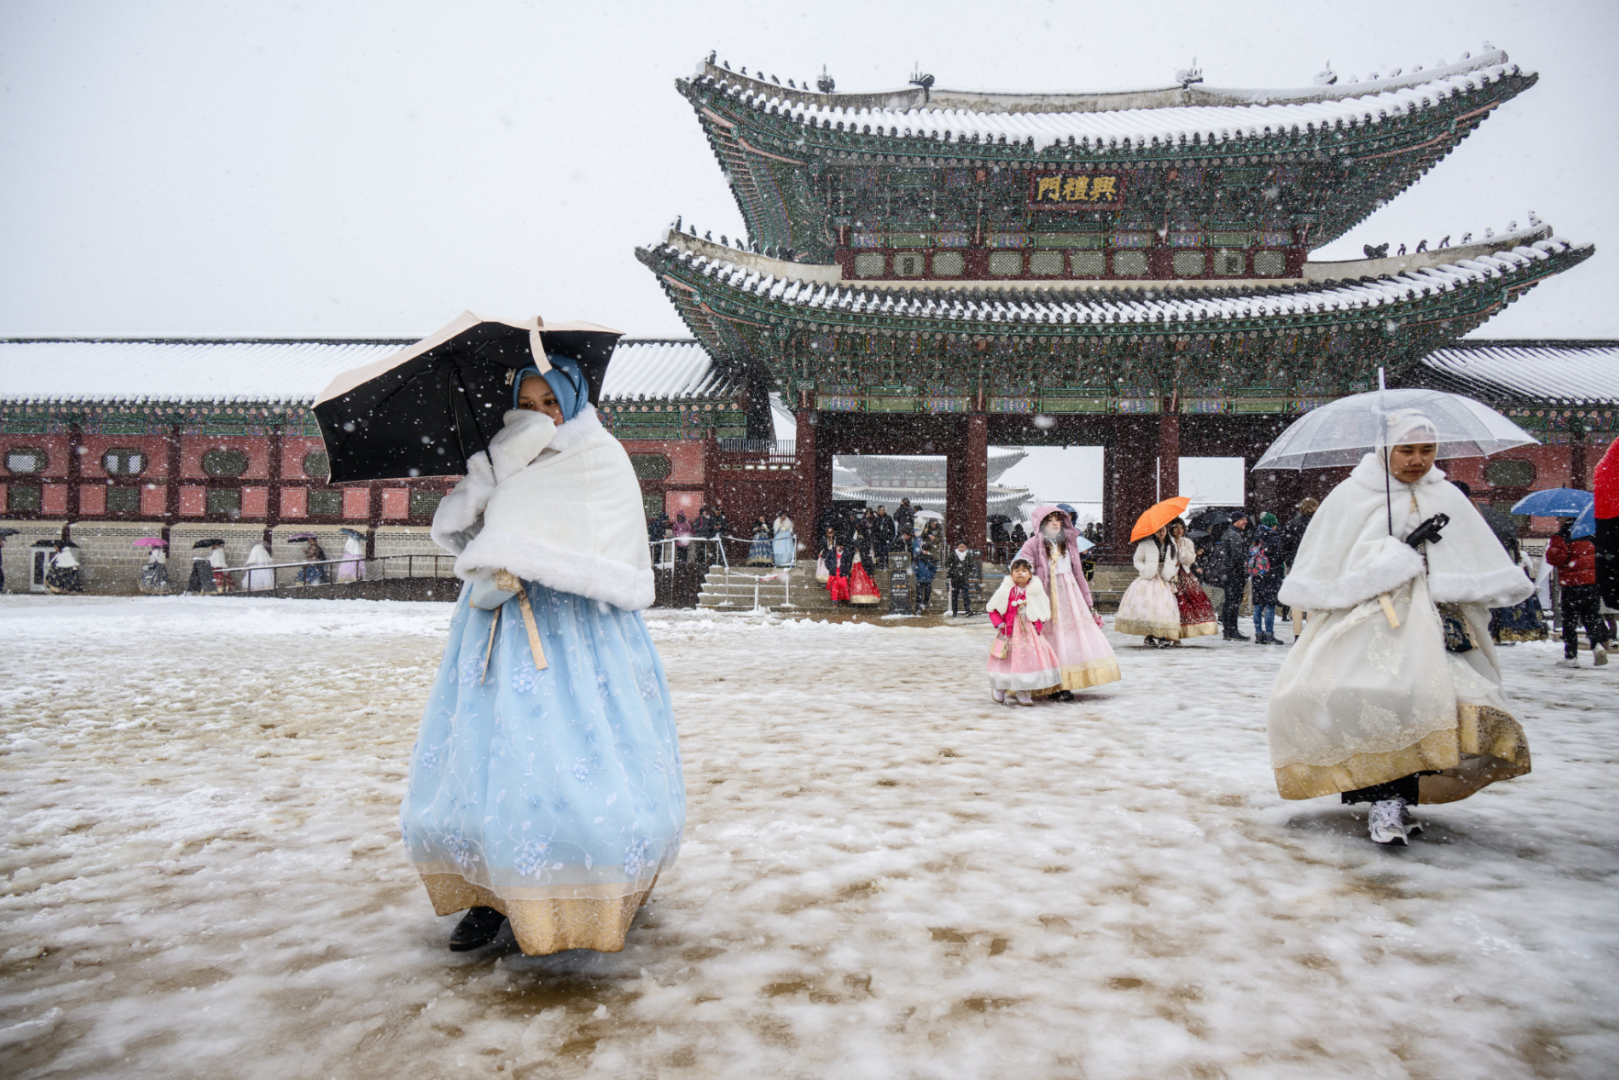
(567, 382)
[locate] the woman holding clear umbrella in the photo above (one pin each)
(1393, 694)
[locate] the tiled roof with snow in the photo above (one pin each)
(1000, 302)
(280, 371)
(663, 369)
(1171, 115)
(1562, 372)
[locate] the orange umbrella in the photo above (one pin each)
(1159, 516)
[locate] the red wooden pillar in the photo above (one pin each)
(171, 487)
(75, 474)
(272, 516)
(1169, 453)
(967, 484)
(806, 480)
(1130, 484)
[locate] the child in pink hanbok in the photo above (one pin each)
(1075, 630)
(1020, 661)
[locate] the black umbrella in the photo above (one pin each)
(7, 532)
(426, 409)
(353, 532)
(208, 543)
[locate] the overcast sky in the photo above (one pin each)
(353, 169)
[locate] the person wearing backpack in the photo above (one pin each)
(1267, 570)
(1231, 564)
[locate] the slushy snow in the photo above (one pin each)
(884, 875)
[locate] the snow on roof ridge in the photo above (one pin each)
(767, 94)
(1115, 306)
(220, 370)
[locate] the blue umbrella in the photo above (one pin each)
(1555, 502)
(1586, 524)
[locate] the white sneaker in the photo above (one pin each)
(1569, 661)
(1413, 827)
(1023, 698)
(999, 696)
(1386, 823)
(1599, 655)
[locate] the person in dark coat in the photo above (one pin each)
(927, 565)
(960, 574)
(1293, 531)
(1266, 568)
(1576, 563)
(882, 535)
(904, 517)
(1231, 566)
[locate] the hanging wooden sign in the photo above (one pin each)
(1075, 190)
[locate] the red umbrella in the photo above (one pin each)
(1159, 516)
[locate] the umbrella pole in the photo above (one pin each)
(466, 397)
(1388, 453)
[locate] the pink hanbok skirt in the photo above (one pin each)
(1029, 665)
(1084, 657)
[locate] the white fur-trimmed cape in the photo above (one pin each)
(1347, 555)
(559, 505)
(1036, 604)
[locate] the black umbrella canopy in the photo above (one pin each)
(426, 409)
(216, 542)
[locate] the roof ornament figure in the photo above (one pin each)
(825, 84)
(1422, 245)
(1189, 75)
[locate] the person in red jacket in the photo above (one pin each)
(1577, 578)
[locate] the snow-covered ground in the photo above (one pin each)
(885, 875)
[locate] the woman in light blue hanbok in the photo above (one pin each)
(785, 542)
(545, 784)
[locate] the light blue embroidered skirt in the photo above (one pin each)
(553, 795)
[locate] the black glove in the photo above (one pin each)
(1428, 531)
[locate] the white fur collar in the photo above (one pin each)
(1348, 556)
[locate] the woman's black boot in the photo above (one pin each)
(480, 926)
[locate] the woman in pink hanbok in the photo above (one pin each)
(1084, 657)
(1021, 664)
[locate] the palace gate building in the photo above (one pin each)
(925, 272)
(932, 271)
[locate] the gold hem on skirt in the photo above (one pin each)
(1141, 628)
(1486, 745)
(1198, 629)
(547, 925)
(1089, 674)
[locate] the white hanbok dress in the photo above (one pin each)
(1361, 701)
(1149, 606)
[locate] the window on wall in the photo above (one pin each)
(1509, 472)
(224, 462)
(949, 264)
(425, 503)
(317, 464)
(325, 503)
(23, 460)
(123, 461)
(650, 466)
(868, 265)
(1230, 263)
(1006, 263)
(123, 500)
(224, 502)
(23, 498)
(651, 505)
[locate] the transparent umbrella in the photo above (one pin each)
(1339, 433)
